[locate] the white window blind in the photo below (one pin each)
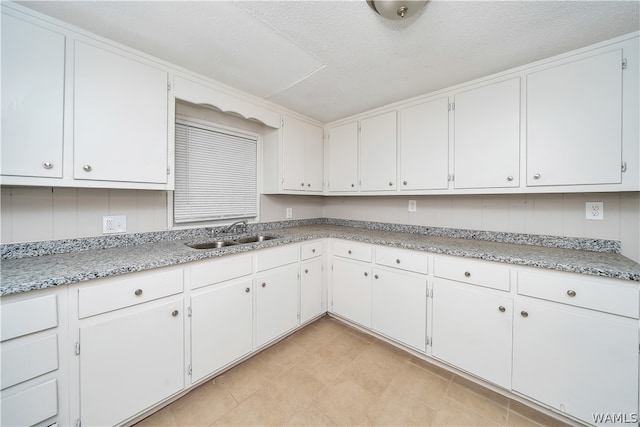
(215, 174)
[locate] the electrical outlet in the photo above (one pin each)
(289, 213)
(594, 210)
(412, 205)
(114, 224)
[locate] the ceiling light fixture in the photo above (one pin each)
(396, 9)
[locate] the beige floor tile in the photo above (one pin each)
(345, 403)
(245, 379)
(420, 384)
(483, 391)
(348, 345)
(534, 415)
(452, 413)
(162, 418)
(324, 364)
(202, 406)
(393, 410)
(281, 357)
(294, 390)
(516, 420)
(441, 372)
(261, 409)
(309, 338)
(310, 415)
(477, 403)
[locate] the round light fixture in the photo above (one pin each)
(396, 9)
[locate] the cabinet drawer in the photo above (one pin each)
(481, 273)
(586, 293)
(271, 258)
(28, 316)
(27, 359)
(403, 259)
(352, 250)
(30, 406)
(311, 250)
(220, 269)
(121, 293)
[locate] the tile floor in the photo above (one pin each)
(329, 374)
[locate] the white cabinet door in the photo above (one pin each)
(574, 122)
(574, 360)
(424, 146)
(293, 154)
(130, 363)
(351, 291)
(310, 289)
(276, 302)
(472, 330)
(32, 99)
(378, 147)
(343, 157)
(487, 136)
(314, 158)
(400, 307)
(221, 326)
(120, 118)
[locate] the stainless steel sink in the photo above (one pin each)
(217, 244)
(211, 245)
(253, 239)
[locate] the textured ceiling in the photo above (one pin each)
(332, 59)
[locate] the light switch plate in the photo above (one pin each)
(289, 213)
(114, 224)
(594, 210)
(412, 205)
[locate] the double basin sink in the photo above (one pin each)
(216, 244)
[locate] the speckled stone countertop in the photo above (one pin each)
(21, 271)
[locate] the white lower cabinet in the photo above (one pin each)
(276, 303)
(221, 313)
(400, 306)
(351, 291)
(130, 362)
(310, 289)
(472, 330)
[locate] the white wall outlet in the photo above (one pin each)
(289, 213)
(114, 224)
(412, 205)
(594, 210)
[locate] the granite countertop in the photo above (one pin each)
(22, 274)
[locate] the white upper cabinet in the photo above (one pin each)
(120, 117)
(378, 136)
(302, 154)
(574, 122)
(32, 99)
(424, 146)
(343, 158)
(487, 136)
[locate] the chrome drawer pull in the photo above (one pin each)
(174, 313)
(138, 292)
(467, 274)
(247, 290)
(398, 261)
(502, 309)
(524, 314)
(571, 293)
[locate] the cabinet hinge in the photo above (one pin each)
(168, 170)
(189, 312)
(298, 279)
(428, 342)
(449, 107)
(298, 317)
(624, 167)
(431, 293)
(168, 86)
(624, 63)
(281, 122)
(78, 423)
(77, 348)
(450, 177)
(190, 370)
(453, 106)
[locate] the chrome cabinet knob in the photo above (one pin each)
(247, 290)
(264, 285)
(467, 274)
(308, 185)
(390, 184)
(138, 292)
(536, 176)
(174, 313)
(353, 185)
(349, 251)
(302, 184)
(398, 261)
(376, 276)
(502, 309)
(571, 293)
(87, 168)
(509, 178)
(404, 182)
(366, 274)
(313, 251)
(524, 314)
(47, 165)
(306, 270)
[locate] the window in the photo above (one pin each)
(216, 174)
